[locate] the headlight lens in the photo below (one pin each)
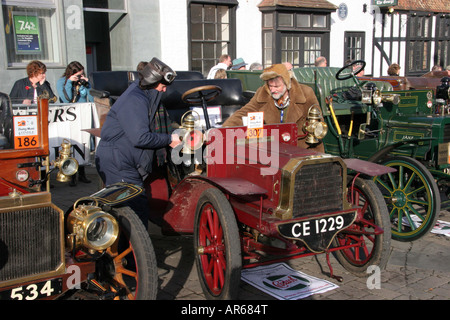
(320, 130)
(92, 228)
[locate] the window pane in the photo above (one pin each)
(268, 20)
(210, 13)
(210, 32)
(196, 31)
(223, 14)
(267, 57)
(296, 58)
(208, 51)
(286, 20)
(196, 13)
(196, 50)
(224, 32)
(296, 43)
(303, 20)
(319, 21)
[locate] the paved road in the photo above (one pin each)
(417, 270)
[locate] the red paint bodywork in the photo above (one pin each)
(252, 194)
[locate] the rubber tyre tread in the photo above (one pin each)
(382, 244)
(436, 195)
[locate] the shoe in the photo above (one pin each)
(83, 179)
(73, 181)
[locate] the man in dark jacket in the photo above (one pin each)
(128, 138)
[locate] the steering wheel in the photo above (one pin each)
(201, 94)
(351, 73)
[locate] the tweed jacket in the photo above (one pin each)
(302, 98)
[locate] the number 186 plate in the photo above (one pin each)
(317, 233)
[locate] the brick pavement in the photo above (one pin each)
(418, 270)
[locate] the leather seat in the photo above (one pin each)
(6, 122)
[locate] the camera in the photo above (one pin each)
(81, 82)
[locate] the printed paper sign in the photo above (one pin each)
(255, 124)
(285, 283)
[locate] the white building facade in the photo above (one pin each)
(192, 34)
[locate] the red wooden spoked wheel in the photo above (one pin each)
(371, 246)
(217, 246)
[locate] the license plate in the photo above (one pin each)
(317, 233)
(33, 291)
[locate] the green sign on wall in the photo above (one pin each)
(385, 3)
(26, 33)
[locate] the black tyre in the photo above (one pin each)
(217, 246)
(370, 234)
(129, 269)
(412, 197)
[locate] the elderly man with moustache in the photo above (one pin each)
(283, 100)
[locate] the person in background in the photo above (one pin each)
(74, 86)
(131, 142)
(256, 66)
(320, 62)
(221, 74)
(238, 64)
(224, 63)
(394, 70)
(436, 68)
(26, 90)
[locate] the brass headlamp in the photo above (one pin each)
(314, 126)
(191, 137)
(90, 227)
(67, 165)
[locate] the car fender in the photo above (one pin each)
(180, 214)
(384, 152)
(368, 168)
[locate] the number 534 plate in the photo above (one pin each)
(317, 233)
(33, 291)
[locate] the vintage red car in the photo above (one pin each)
(251, 198)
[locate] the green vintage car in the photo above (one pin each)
(405, 129)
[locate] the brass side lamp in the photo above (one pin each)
(314, 126)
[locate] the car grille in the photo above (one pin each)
(317, 189)
(446, 137)
(30, 242)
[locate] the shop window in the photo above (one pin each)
(32, 33)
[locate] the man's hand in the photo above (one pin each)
(175, 141)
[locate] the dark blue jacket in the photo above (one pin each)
(125, 151)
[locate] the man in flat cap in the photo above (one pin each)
(130, 140)
(283, 100)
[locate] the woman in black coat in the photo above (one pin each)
(26, 90)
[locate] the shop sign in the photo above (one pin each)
(26, 34)
(343, 11)
(385, 3)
